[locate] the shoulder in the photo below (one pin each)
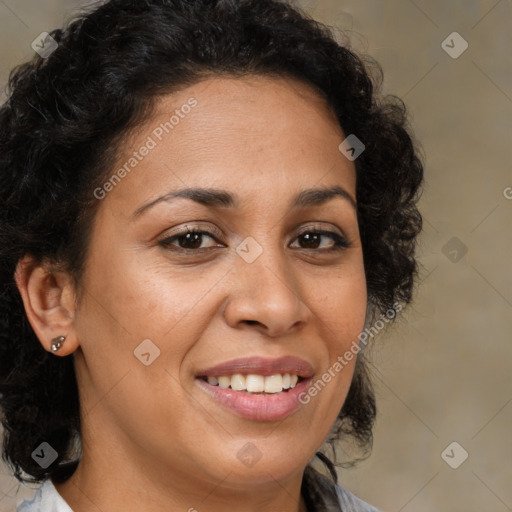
(46, 499)
(351, 503)
(323, 495)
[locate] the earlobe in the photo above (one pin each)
(48, 297)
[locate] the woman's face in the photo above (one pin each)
(256, 291)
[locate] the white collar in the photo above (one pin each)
(46, 499)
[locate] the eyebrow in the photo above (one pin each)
(215, 198)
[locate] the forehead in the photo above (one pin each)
(253, 103)
(246, 132)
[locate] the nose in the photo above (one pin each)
(265, 295)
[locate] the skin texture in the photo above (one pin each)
(152, 439)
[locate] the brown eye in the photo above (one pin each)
(189, 240)
(312, 239)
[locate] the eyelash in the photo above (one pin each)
(340, 243)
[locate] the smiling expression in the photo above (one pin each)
(234, 242)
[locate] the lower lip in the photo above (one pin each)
(271, 407)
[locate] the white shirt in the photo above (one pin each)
(47, 499)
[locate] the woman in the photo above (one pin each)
(205, 205)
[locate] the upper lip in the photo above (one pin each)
(260, 366)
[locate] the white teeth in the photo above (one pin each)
(273, 384)
(238, 382)
(224, 382)
(253, 383)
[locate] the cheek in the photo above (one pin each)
(341, 309)
(136, 299)
(340, 314)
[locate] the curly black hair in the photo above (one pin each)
(61, 128)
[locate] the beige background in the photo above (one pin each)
(443, 373)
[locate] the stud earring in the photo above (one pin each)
(57, 343)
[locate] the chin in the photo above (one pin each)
(261, 473)
(259, 466)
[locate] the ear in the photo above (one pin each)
(49, 300)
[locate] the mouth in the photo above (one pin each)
(253, 384)
(257, 388)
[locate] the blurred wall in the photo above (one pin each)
(442, 374)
